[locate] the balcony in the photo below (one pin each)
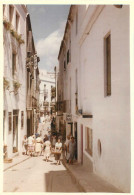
(63, 106)
(53, 92)
(34, 103)
(29, 102)
(45, 103)
(52, 104)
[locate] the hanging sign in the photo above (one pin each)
(68, 117)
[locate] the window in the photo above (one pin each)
(108, 65)
(89, 141)
(13, 64)
(68, 56)
(76, 93)
(10, 121)
(11, 10)
(4, 115)
(76, 22)
(22, 119)
(27, 80)
(3, 9)
(17, 22)
(64, 65)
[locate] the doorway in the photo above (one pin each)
(15, 131)
(81, 144)
(4, 114)
(75, 135)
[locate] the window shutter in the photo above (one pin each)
(29, 41)
(108, 61)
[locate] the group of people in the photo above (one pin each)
(32, 145)
(35, 146)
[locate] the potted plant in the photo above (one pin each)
(16, 86)
(6, 84)
(6, 24)
(19, 39)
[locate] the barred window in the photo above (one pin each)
(11, 11)
(10, 121)
(13, 64)
(17, 22)
(22, 119)
(68, 56)
(108, 65)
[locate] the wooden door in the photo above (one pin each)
(81, 144)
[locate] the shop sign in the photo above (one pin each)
(68, 117)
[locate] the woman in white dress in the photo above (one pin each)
(58, 149)
(30, 142)
(47, 152)
(38, 146)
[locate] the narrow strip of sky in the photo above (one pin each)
(48, 24)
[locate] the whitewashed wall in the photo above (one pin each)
(111, 115)
(12, 101)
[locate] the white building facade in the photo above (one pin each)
(95, 87)
(14, 43)
(46, 102)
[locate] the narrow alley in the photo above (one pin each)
(66, 98)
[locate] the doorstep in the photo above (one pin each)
(87, 180)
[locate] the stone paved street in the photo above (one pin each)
(36, 175)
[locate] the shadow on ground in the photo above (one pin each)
(60, 181)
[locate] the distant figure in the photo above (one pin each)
(66, 146)
(60, 136)
(38, 146)
(47, 152)
(30, 142)
(58, 149)
(71, 149)
(49, 135)
(45, 138)
(24, 145)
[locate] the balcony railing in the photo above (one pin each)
(64, 106)
(34, 103)
(45, 103)
(52, 104)
(29, 100)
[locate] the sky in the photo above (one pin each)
(48, 24)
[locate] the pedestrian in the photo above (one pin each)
(45, 138)
(47, 152)
(38, 146)
(30, 142)
(49, 135)
(58, 150)
(71, 149)
(34, 142)
(24, 145)
(66, 145)
(60, 136)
